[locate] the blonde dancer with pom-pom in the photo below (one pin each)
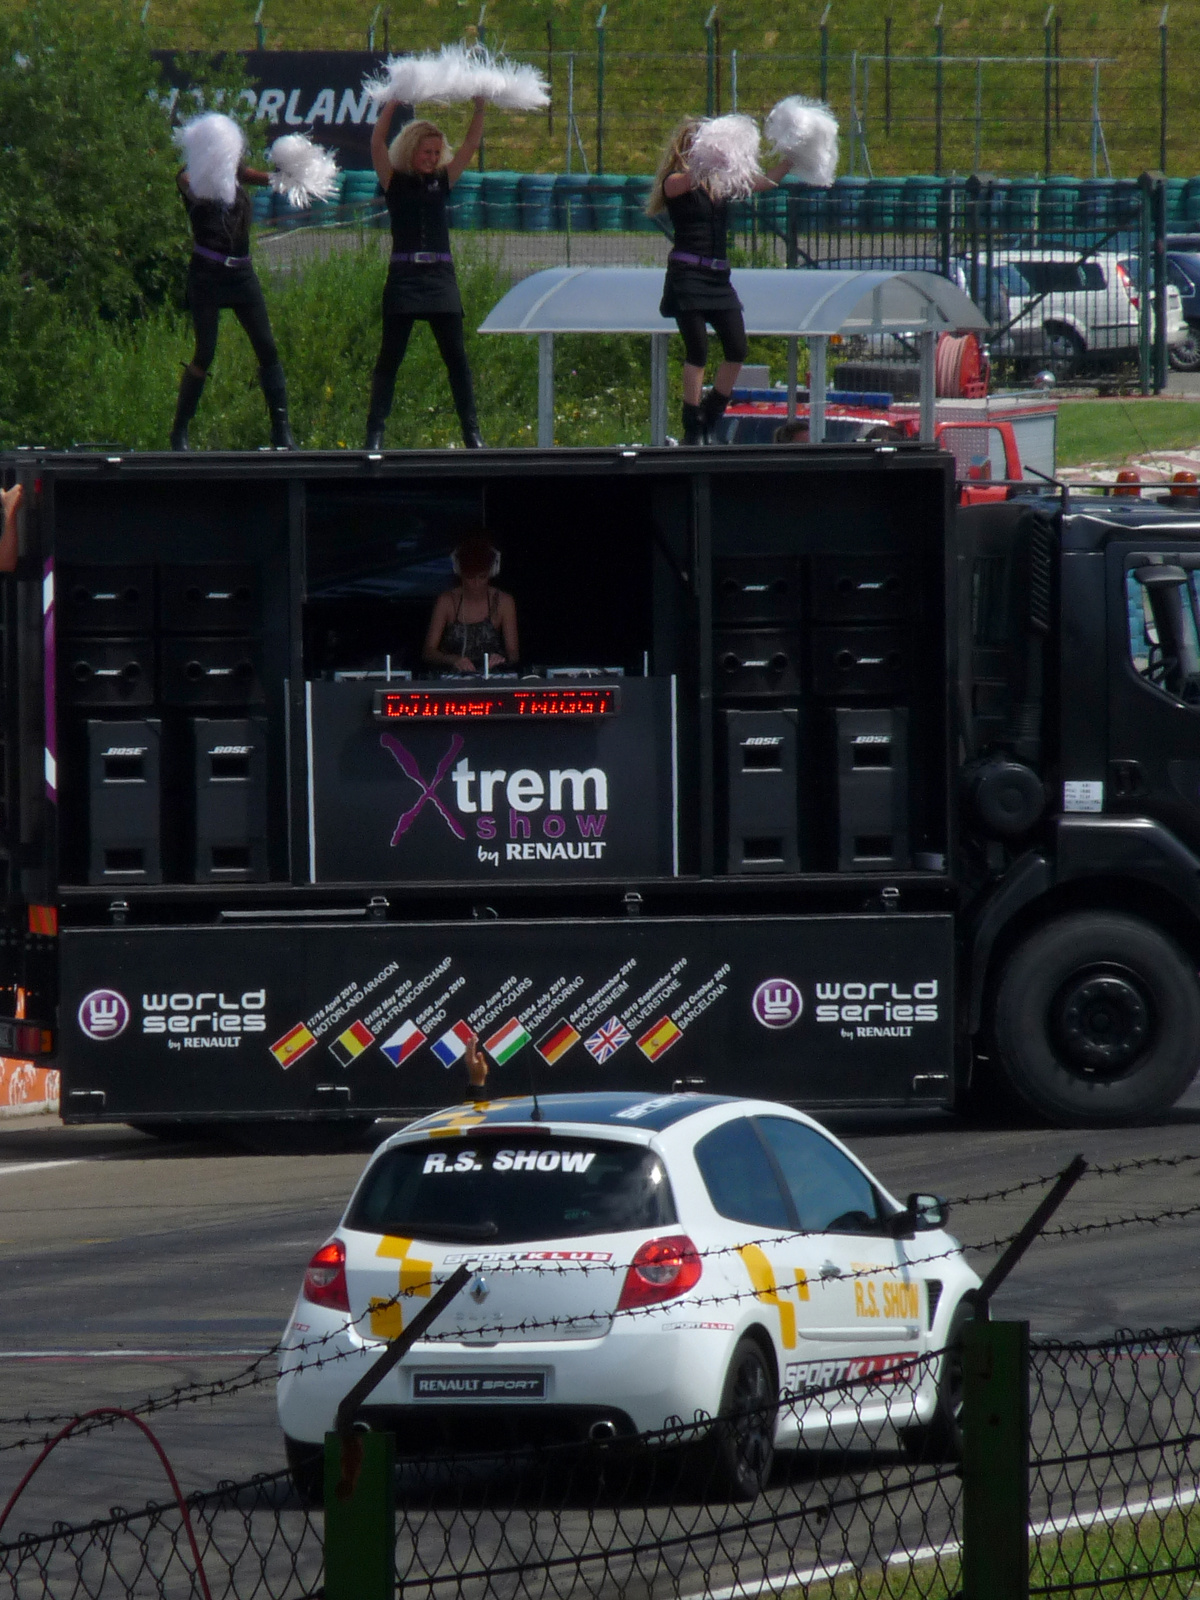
(698, 291)
(220, 274)
(416, 172)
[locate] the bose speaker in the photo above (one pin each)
(124, 802)
(762, 790)
(872, 789)
(230, 771)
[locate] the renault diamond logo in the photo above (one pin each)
(479, 1289)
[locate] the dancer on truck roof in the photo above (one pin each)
(698, 291)
(220, 274)
(417, 171)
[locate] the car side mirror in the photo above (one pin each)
(923, 1213)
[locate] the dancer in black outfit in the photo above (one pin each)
(221, 275)
(698, 291)
(417, 172)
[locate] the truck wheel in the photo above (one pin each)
(740, 1450)
(1097, 1020)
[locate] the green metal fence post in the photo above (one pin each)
(824, 26)
(710, 70)
(1047, 85)
(1162, 90)
(360, 1516)
(600, 88)
(1159, 279)
(939, 91)
(260, 31)
(481, 36)
(887, 75)
(995, 1558)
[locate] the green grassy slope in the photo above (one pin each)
(656, 68)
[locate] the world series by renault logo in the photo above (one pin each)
(777, 1003)
(103, 1014)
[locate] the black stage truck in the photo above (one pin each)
(811, 785)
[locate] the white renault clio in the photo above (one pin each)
(636, 1262)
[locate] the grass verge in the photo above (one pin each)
(1111, 431)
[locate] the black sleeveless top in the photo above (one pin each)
(216, 226)
(417, 207)
(699, 225)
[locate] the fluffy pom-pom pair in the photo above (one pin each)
(459, 72)
(213, 147)
(724, 153)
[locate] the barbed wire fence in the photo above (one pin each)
(866, 1507)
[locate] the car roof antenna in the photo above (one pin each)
(536, 1114)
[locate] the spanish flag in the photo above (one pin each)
(659, 1040)
(293, 1045)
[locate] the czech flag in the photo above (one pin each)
(407, 1038)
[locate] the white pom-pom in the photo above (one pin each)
(806, 132)
(213, 146)
(459, 72)
(306, 171)
(724, 156)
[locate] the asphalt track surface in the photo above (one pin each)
(130, 1266)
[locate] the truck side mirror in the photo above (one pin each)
(923, 1213)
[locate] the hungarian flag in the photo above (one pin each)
(556, 1042)
(407, 1038)
(506, 1041)
(452, 1046)
(293, 1045)
(659, 1039)
(351, 1043)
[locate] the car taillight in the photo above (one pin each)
(1126, 283)
(661, 1270)
(325, 1277)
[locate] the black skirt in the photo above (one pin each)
(211, 285)
(421, 291)
(697, 289)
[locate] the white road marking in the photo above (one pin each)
(123, 1354)
(37, 1166)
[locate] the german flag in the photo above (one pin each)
(555, 1042)
(659, 1039)
(351, 1043)
(293, 1045)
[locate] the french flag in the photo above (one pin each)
(452, 1046)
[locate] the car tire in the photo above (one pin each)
(739, 1451)
(940, 1439)
(306, 1464)
(1185, 356)
(1063, 352)
(1096, 1020)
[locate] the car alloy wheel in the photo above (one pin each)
(743, 1438)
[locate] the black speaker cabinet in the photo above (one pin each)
(762, 791)
(124, 802)
(211, 672)
(115, 599)
(106, 672)
(762, 663)
(859, 588)
(871, 662)
(872, 789)
(230, 773)
(217, 597)
(756, 589)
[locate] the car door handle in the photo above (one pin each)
(830, 1269)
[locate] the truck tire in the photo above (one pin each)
(1097, 1020)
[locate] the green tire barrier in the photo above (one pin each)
(608, 202)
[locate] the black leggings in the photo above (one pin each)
(728, 327)
(251, 312)
(447, 328)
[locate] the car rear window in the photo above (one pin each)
(1051, 277)
(511, 1189)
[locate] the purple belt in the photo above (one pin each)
(421, 258)
(716, 263)
(215, 255)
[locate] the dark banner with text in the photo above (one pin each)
(372, 1019)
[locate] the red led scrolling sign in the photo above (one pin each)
(493, 705)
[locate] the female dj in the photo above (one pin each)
(473, 623)
(416, 173)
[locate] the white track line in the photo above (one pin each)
(953, 1547)
(123, 1355)
(37, 1166)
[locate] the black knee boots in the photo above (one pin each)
(274, 388)
(693, 424)
(382, 390)
(713, 409)
(191, 388)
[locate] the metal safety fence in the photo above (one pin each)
(864, 1508)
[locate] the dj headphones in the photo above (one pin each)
(493, 570)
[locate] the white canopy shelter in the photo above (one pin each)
(805, 304)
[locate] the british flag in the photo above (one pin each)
(606, 1041)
